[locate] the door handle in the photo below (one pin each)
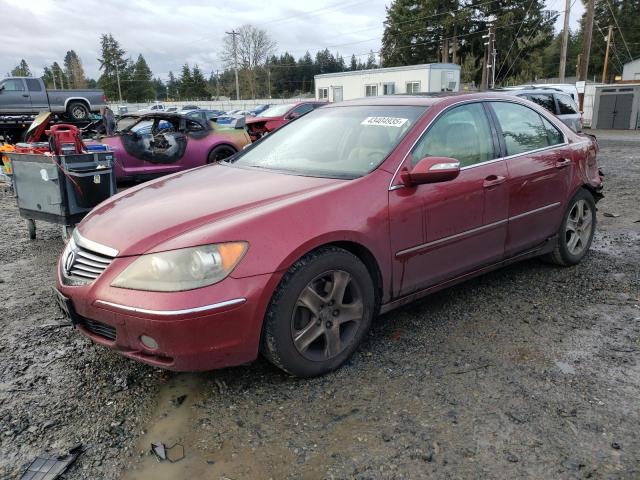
(563, 162)
(493, 180)
(25, 95)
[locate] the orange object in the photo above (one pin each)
(6, 163)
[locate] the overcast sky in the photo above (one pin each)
(171, 32)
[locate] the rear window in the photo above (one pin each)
(522, 128)
(566, 105)
(544, 100)
(33, 85)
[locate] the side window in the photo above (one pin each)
(302, 109)
(13, 85)
(555, 136)
(522, 128)
(566, 106)
(462, 133)
(194, 126)
(544, 100)
(33, 85)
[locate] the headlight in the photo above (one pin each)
(183, 269)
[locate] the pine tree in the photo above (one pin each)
(112, 64)
(353, 65)
(140, 87)
(74, 71)
(199, 84)
(21, 70)
(185, 84)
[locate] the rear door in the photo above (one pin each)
(14, 96)
(539, 162)
(462, 222)
(38, 95)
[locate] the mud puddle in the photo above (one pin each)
(171, 423)
(179, 418)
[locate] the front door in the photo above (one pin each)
(539, 162)
(462, 222)
(14, 97)
(337, 94)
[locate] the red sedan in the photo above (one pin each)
(357, 208)
(277, 116)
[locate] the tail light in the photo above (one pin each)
(104, 99)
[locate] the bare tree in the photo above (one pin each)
(254, 47)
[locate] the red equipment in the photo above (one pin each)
(65, 139)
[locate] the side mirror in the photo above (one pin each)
(431, 170)
(1, 88)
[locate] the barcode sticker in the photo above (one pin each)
(385, 121)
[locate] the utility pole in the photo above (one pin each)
(234, 34)
(269, 80)
(565, 41)
(118, 80)
(586, 47)
(489, 60)
(606, 55)
(217, 85)
(494, 53)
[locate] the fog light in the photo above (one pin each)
(149, 342)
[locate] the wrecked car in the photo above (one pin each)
(277, 116)
(360, 207)
(154, 144)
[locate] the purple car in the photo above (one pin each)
(160, 143)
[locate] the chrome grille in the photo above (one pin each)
(83, 261)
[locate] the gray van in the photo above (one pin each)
(555, 100)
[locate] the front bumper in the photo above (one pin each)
(192, 333)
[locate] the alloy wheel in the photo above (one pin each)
(327, 315)
(579, 227)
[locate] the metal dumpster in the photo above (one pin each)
(61, 189)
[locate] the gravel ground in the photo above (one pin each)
(532, 371)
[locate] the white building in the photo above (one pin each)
(631, 70)
(429, 77)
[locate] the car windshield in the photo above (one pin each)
(276, 111)
(361, 138)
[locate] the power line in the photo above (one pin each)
(512, 44)
(619, 29)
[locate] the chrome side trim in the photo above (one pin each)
(452, 237)
(530, 212)
(474, 230)
(95, 246)
(204, 308)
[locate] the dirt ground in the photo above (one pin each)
(529, 372)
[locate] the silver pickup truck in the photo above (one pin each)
(28, 95)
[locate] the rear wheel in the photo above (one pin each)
(78, 111)
(577, 230)
(220, 153)
(319, 314)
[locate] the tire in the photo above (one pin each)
(220, 153)
(78, 111)
(576, 231)
(319, 314)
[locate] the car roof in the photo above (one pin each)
(548, 90)
(426, 99)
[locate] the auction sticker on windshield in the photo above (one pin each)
(385, 121)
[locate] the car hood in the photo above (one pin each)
(139, 219)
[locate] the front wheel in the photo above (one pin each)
(220, 153)
(319, 314)
(577, 230)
